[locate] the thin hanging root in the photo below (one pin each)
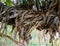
(29, 19)
(5, 29)
(16, 24)
(54, 2)
(0, 26)
(9, 38)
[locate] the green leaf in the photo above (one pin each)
(24, 2)
(8, 3)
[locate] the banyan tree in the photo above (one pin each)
(30, 14)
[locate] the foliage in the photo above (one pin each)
(7, 2)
